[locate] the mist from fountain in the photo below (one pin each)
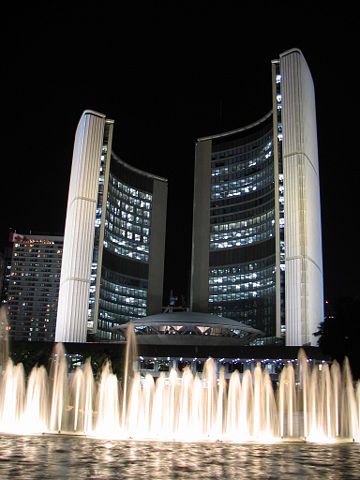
(309, 403)
(4, 340)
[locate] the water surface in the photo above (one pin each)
(62, 457)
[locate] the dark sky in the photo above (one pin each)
(168, 74)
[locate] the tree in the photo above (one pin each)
(339, 333)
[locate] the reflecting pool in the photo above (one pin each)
(61, 424)
(62, 457)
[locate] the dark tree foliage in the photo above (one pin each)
(39, 353)
(25, 353)
(339, 334)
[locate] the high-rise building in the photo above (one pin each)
(114, 244)
(2, 275)
(257, 248)
(33, 286)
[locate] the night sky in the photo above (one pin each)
(168, 74)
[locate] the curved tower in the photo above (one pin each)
(257, 254)
(238, 278)
(112, 265)
(294, 101)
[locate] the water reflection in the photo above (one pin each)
(54, 457)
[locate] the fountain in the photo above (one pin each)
(308, 404)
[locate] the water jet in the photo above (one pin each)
(311, 404)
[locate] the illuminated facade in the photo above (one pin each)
(257, 252)
(112, 270)
(33, 286)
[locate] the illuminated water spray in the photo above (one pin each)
(308, 403)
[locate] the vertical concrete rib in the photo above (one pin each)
(157, 247)
(199, 294)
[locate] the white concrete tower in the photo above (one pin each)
(73, 304)
(303, 241)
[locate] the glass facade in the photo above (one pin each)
(95, 259)
(242, 261)
(279, 139)
(122, 299)
(123, 285)
(127, 223)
